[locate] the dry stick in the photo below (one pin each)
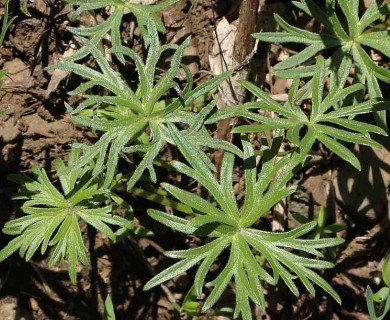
(244, 42)
(244, 46)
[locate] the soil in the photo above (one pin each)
(35, 128)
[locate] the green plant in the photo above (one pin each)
(109, 312)
(378, 303)
(2, 75)
(143, 14)
(348, 45)
(141, 118)
(190, 305)
(325, 121)
(4, 27)
(53, 215)
(322, 229)
(232, 229)
(23, 7)
(126, 116)
(6, 22)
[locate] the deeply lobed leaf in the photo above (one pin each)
(230, 228)
(126, 116)
(351, 43)
(53, 217)
(327, 122)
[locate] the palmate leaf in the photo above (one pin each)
(349, 46)
(230, 228)
(126, 116)
(144, 14)
(111, 143)
(327, 123)
(53, 216)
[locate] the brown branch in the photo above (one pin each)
(244, 42)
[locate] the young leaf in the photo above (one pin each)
(53, 215)
(125, 117)
(144, 14)
(351, 42)
(322, 123)
(233, 231)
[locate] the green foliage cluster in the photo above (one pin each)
(141, 120)
(349, 42)
(53, 215)
(126, 116)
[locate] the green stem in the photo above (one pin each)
(5, 25)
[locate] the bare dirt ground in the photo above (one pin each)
(36, 129)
